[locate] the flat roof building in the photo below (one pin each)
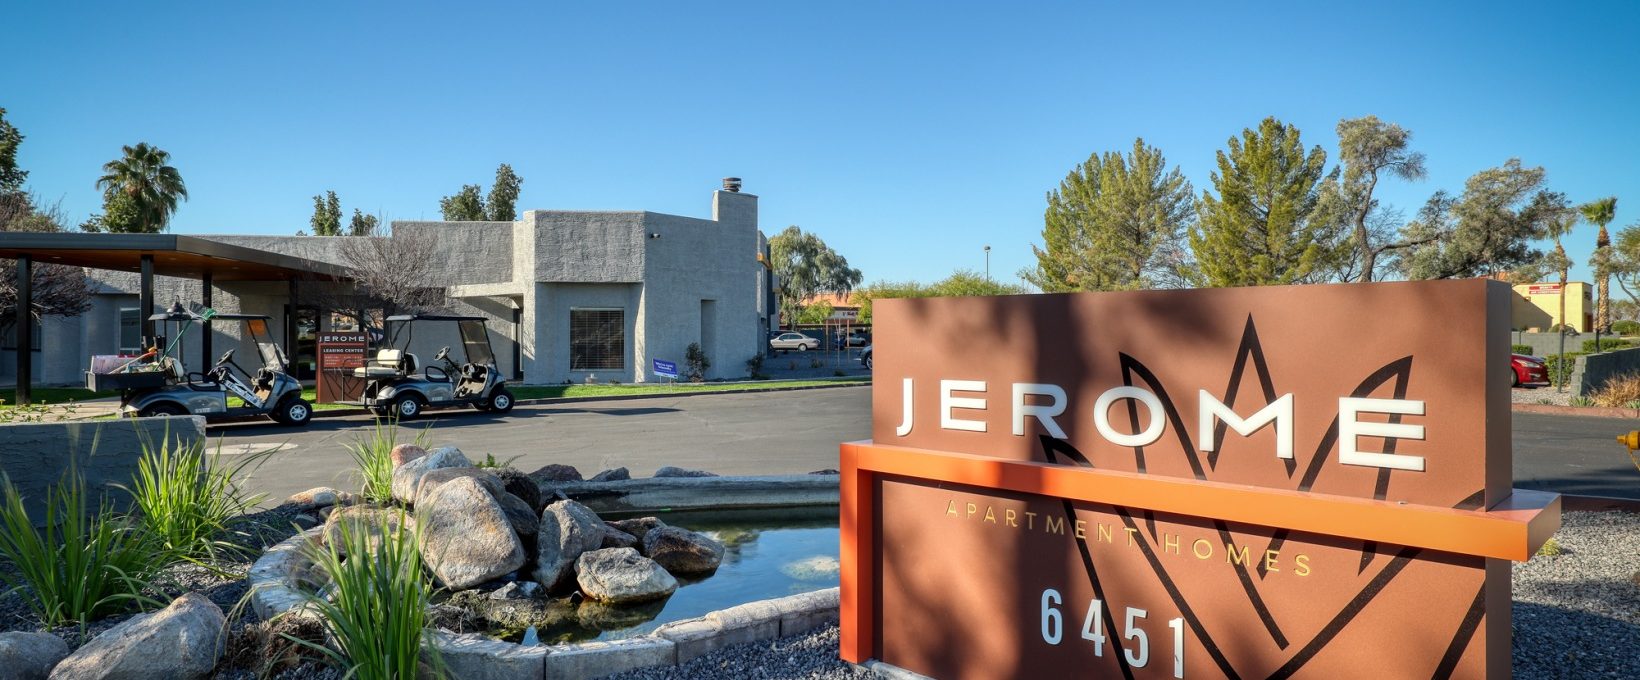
(569, 295)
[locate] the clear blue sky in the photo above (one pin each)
(908, 135)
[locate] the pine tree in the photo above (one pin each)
(327, 215)
(1264, 226)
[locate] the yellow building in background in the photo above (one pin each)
(1537, 306)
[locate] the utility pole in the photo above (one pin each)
(987, 263)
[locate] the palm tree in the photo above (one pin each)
(144, 175)
(1560, 225)
(1600, 212)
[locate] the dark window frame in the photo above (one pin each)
(597, 339)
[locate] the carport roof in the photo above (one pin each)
(173, 255)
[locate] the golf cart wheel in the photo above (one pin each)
(164, 408)
(407, 407)
(294, 411)
(500, 401)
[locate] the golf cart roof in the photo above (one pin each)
(433, 317)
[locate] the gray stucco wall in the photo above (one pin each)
(469, 252)
(588, 247)
(1593, 370)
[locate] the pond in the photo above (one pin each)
(767, 554)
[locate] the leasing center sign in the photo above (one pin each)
(1307, 481)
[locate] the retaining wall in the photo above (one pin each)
(1593, 370)
(34, 456)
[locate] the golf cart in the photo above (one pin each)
(156, 383)
(401, 386)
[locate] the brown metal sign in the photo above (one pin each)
(1271, 482)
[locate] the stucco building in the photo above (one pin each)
(1537, 306)
(569, 295)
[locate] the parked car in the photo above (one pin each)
(855, 339)
(865, 357)
(794, 341)
(1528, 370)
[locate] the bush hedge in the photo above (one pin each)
(1626, 327)
(1606, 345)
(1521, 349)
(1560, 366)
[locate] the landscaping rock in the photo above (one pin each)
(567, 530)
(376, 523)
(557, 473)
(619, 474)
(518, 590)
(433, 479)
(447, 457)
(637, 527)
(304, 521)
(827, 471)
(466, 538)
(615, 538)
(524, 520)
(670, 471)
(31, 656)
(180, 642)
(405, 453)
(320, 497)
(521, 485)
(682, 551)
(620, 575)
(407, 477)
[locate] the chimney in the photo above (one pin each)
(731, 184)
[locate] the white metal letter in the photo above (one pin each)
(1151, 433)
(1044, 413)
(948, 402)
(1280, 411)
(905, 412)
(1350, 427)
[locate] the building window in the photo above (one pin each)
(597, 339)
(130, 331)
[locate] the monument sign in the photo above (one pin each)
(1303, 481)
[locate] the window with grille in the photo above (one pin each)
(597, 339)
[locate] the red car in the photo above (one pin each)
(1528, 370)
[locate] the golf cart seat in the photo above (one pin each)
(389, 363)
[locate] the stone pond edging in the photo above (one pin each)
(274, 582)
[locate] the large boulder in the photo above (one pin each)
(407, 477)
(524, 520)
(619, 474)
(30, 656)
(179, 642)
(320, 497)
(436, 478)
(615, 538)
(466, 538)
(557, 473)
(638, 527)
(670, 471)
(621, 575)
(682, 551)
(521, 485)
(405, 453)
(374, 522)
(567, 530)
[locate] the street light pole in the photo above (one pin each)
(987, 263)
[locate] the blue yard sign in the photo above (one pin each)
(666, 369)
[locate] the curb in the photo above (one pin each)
(273, 581)
(1587, 411)
(353, 411)
(1573, 503)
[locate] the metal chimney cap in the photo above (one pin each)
(731, 184)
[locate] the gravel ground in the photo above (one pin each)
(1577, 614)
(1541, 395)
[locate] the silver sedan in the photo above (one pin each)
(797, 341)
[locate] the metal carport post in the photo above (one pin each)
(25, 328)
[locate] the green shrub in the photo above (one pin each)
(84, 564)
(375, 608)
(1521, 349)
(1550, 548)
(695, 363)
(373, 456)
(1606, 345)
(185, 499)
(491, 462)
(1561, 366)
(1626, 327)
(754, 366)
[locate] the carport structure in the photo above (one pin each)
(173, 255)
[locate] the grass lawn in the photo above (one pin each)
(553, 391)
